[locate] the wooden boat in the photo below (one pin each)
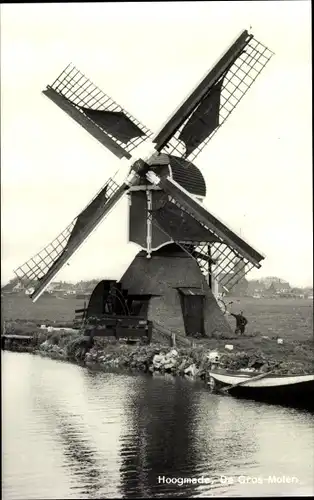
(290, 390)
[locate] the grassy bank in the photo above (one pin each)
(255, 353)
(45, 310)
(291, 320)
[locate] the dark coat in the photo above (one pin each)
(240, 320)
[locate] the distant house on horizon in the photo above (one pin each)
(18, 287)
(238, 288)
(278, 283)
(271, 291)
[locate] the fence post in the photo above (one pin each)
(173, 340)
(149, 331)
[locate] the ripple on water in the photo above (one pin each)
(69, 432)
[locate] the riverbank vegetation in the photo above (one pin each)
(292, 321)
(253, 353)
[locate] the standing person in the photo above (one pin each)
(241, 322)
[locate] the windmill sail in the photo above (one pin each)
(44, 266)
(95, 111)
(179, 224)
(203, 121)
(208, 107)
(233, 256)
(210, 252)
(194, 123)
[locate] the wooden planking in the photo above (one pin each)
(130, 332)
(192, 101)
(16, 337)
(120, 327)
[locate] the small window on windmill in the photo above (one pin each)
(192, 304)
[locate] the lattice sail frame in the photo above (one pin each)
(82, 92)
(228, 265)
(236, 82)
(75, 88)
(38, 266)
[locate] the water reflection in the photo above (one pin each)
(80, 457)
(229, 439)
(82, 417)
(73, 433)
(159, 440)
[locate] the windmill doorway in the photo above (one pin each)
(192, 304)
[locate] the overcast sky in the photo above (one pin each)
(147, 56)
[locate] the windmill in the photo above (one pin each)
(185, 249)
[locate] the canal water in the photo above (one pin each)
(68, 432)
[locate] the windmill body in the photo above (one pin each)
(183, 247)
(170, 222)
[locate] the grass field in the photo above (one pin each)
(45, 309)
(291, 319)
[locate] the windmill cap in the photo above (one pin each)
(182, 171)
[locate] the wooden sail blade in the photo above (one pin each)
(181, 197)
(233, 87)
(203, 121)
(232, 255)
(43, 267)
(175, 121)
(204, 112)
(85, 122)
(212, 255)
(96, 112)
(179, 224)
